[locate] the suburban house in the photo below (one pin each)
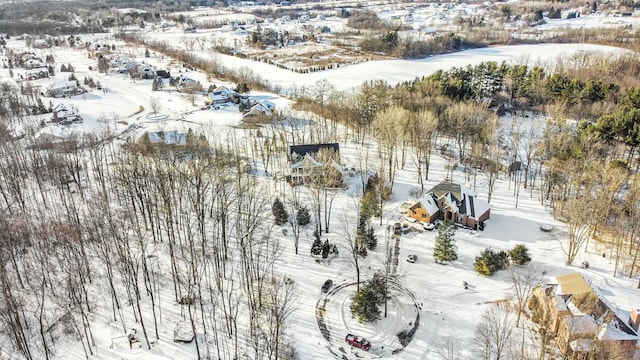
(582, 320)
(34, 74)
(63, 111)
(187, 84)
(309, 160)
(221, 95)
(451, 202)
(261, 108)
(63, 89)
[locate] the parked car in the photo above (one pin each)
(358, 342)
(412, 258)
(327, 285)
(397, 228)
(164, 74)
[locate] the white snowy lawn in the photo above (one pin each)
(443, 306)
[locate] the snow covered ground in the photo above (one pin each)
(425, 291)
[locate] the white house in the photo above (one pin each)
(63, 111)
(63, 89)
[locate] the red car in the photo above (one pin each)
(358, 342)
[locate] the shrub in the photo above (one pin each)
(489, 261)
(519, 255)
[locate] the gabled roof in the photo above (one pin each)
(302, 150)
(428, 202)
(599, 311)
(307, 161)
(62, 85)
(460, 199)
(447, 187)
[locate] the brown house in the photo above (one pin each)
(581, 320)
(453, 203)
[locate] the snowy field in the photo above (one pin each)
(426, 291)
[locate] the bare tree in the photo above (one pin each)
(389, 126)
(155, 105)
(524, 279)
(576, 214)
(449, 348)
(493, 334)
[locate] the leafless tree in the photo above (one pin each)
(524, 278)
(576, 213)
(492, 335)
(449, 348)
(155, 105)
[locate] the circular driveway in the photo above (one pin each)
(335, 321)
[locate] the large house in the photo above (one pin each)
(582, 320)
(64, 89)
(221, 95)
(309, 160)
(453, 203)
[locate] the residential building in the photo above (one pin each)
(451, 202)
(582, 320)
(311, 161)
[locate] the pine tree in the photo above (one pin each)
(63, 68)
(445, 249)
(325, 249)
(366, 301)
(279, 212)
(303, 217)
(520, 255)
(316, 247)
(371, 239)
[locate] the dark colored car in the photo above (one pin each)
(358, 342)
(164, 74)
(327, 285)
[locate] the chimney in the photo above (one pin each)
(634, 319)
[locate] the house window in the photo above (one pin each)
(413, 212)
(424, 216)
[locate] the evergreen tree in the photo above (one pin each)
(325, 249)
(371, 239)
(146, 53)
(63, 68)
(488, 262)
(51, 70)
(70, 68)
(303, 217)
(316, 247)
(365, 303)
(279, 212)
(520, 255)
(445, 249)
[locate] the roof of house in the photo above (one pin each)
(62, 85)
(302, 150)
(428, 203)
(572, 284)
(585, 320)
(307, 161)
(460, 199)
